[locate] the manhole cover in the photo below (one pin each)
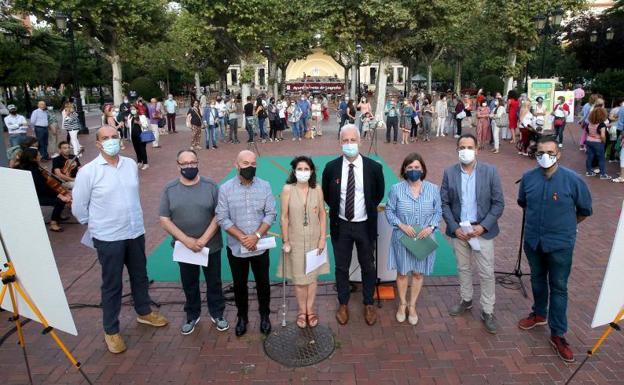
(295, 347)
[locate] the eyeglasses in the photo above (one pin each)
(188, 164)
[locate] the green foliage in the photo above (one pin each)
(145, 87)
(491, 84)
(247, 74)
(610, 84)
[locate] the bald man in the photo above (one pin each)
(106, 199)
(39, 121)
(353, 186)
(246, 211)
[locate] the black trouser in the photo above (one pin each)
(171, 122)
(413, 128)
(392, 122)
(189, 275)
(459, 124)
(55, 202)
(140, 148)
(610, 146)
(42, 137)
(240, 275)
(559, 133)
(274, 125)
(350, 233)
(113, 256)
(343, 120)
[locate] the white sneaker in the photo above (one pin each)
(145, 167)
(294, 139)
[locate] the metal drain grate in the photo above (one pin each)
(295, 347)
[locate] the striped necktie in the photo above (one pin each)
(350, 199)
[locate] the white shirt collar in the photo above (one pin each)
(357, 162)
(100, 160)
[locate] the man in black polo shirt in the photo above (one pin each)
(66, 165)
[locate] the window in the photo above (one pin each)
(261, 77)
(400, 75)
(373, 75)
(234, 76)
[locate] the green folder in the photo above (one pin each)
(419, 248)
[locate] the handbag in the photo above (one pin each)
(147, 136)
(461, 115)
(416, 120)
(162, 122)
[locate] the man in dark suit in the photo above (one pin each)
(353, 186)
(472, 196)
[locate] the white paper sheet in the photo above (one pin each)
(263, 244)
(87, 240)
(473, 242)
(314, 260)
(182, 253)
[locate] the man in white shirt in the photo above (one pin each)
(353, 187)
(171, 107)
(16, 125)
(106, 198)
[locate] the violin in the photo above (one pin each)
(54, 182)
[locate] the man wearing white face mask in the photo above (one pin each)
(353, 187)
(555, 200)
(472, 195)
(106, 198)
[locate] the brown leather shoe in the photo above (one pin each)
(342, 315)
(370, 315)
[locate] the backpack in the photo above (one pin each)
(262, 114)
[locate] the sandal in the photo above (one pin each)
(301, 320)
(312, 320)
(57, 229)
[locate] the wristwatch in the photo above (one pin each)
(258, 235)
(433, 228)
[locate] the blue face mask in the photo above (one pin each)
(413, 175)
(111, 147)
(350, 149)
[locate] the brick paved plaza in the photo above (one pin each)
(439, 350)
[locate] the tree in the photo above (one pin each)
(113, 24)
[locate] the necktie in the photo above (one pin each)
(350, 199)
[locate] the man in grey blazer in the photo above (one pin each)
(471, 192)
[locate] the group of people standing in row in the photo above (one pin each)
(265, 118)
(194, 210)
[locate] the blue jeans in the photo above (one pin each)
(549, 282)
(16, 139)
(42, 137)
(295, 129)
(211, 134)
(261, 126)
(303, 125)
(595, 150)
(222, 128)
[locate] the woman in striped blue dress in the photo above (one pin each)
(413, 201)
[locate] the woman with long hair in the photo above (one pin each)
(303, 222)
(596, 131)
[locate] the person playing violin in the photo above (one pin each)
(66, 165)
(47, 195)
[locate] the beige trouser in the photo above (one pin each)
(485, 262)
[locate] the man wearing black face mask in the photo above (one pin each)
(246, 211)
(187, 212)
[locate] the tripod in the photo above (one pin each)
(11, 284)
(506, 280)
(373, 140)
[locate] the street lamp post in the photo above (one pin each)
(358, 52)
(546, 26)
(65, 22)
(593, 38)
(93, 51)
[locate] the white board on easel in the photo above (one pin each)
(26, 239)
(611, 297)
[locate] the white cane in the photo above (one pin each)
(283, 288)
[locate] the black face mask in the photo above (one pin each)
(248, 172)
(189, 172)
